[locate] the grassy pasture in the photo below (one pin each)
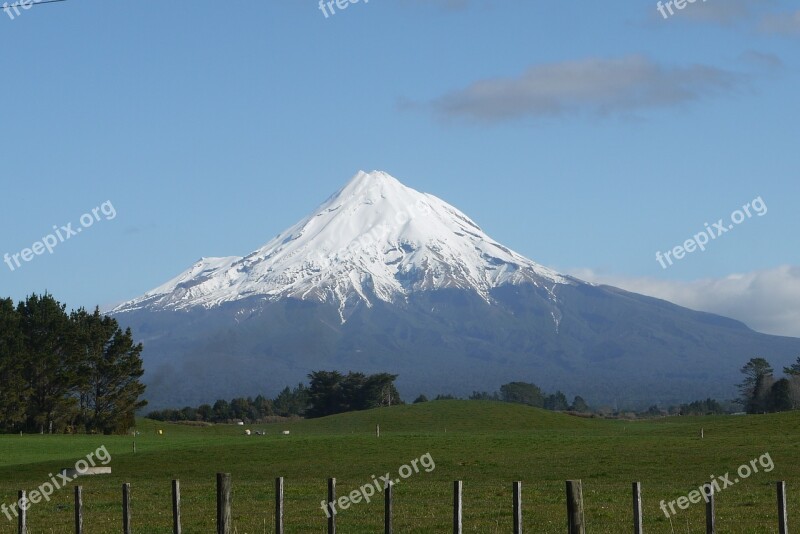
(486, 444)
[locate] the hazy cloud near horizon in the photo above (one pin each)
(767, 301)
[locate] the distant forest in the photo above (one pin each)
(66, 372)
(330, 392)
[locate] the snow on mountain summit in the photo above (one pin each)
(373, 239)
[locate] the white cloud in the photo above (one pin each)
(767, 301)
(594, 86)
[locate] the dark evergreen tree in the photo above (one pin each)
(240, 409)
(262, 407)
(755, 387)
(579, 405)
(325, 393)
(484, 395)
(794, 391)
(222, 411)
(205, 413)
(793, 370)
(14, 391)
(761, 402)
(188, 413)
(352, 394)
(702, 407)
(113, 371)
(379, 390)
(780, 396)
(522, 393)
(50, 367)
(60, 372)
(292, 402)
(330, 392)
(557, 401)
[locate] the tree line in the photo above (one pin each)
(531, 395)
(524, 393)
(66, 372)
(331, 392)
(761, 392)
(328, 393)
(291, 402)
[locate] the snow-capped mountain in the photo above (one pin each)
(373, 239)
(382, 278)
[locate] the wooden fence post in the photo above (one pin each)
(458, 510)
(224, 503)
(22, 519)
(575, 523)
(126, 508)
(279, 505)
(711, 521)
(783, 516)
(176, 507)
(637, 508)
(78, 510)
(387, 509)
(517, 506)
(331, 506)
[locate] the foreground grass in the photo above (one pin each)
(487, 445)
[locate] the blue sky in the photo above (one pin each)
(586, 138)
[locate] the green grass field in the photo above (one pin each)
(488, 445)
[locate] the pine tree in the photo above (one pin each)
(793, 370)
(117, 389)
(579, 405)
(262, 407)
(13, 390)
(557, 402)
(379, 390)
(330, 392)
(88, 343)
(325, 393)
(756, 385)
(522, 393)
(58, 371)
(50, 367)
(110, 366)
(780, 396)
